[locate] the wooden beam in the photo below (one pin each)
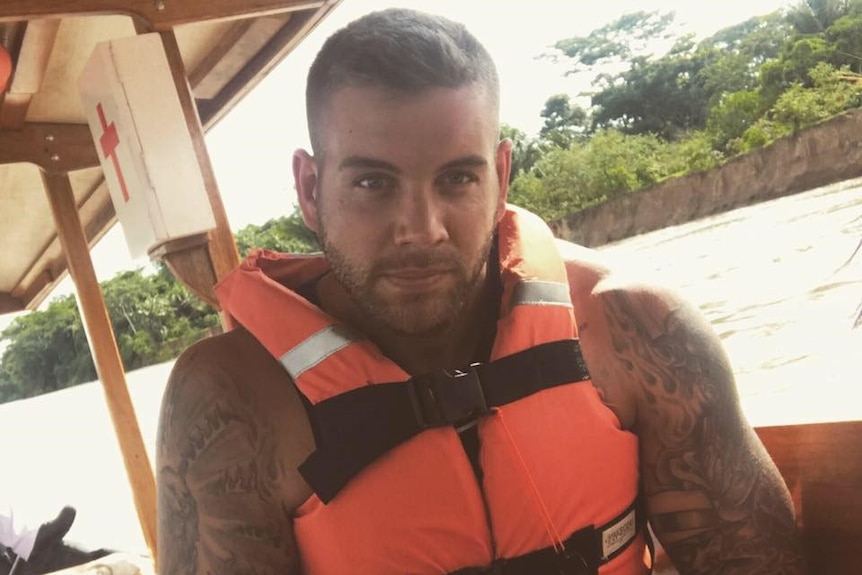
(48, 270)
(162, 15)
(52, 147)
(10, 304)
(12, 36)
(40, 288)
(31, 62)
(13, 112)
(103, 345)
(281, 44)
(102, 221)
(222, 248)
(212, 59)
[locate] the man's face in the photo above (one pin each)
(406, 199)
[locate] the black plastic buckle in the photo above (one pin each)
(453, 397)
(581, 556)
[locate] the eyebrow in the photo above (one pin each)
(471, 161)
(363, 162)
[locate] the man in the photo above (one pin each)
(422, 399)
(27, 542)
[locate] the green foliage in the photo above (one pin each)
(795, 62)
(691, 109)
(692, 153)
(46, 349)
(732, 117)
(665, 97)
(810, 17)
(564, 122)
(673, 94)
(733, 56)
(153, 316)
(762, 133)
(845, 35)
(621, 40)
(588, 173)
(798, 107)
(525, 152)
(284, 234)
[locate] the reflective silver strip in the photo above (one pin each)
(616, 535)
(316, 348)
(534, 292)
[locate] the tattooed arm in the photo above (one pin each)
(715, 498)
(226, 462)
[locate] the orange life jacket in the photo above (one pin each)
(556, 468)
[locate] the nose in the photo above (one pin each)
(421, 218)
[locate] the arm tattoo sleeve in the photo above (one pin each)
(218, 498)
(716, 500)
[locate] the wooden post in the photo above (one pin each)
(103, 346)
(222, 247)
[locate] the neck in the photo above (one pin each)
(451, 347)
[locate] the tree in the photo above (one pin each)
(587, 173)
(665, 97)
(731, 117)
(674, 94)
(284, 234)
(845, 35)
(738, 52)
(792, 67)
(525, 151)
(825, 31)
(830, 95)
(810, 17)
(46, 350)
(153, 316)
(564, 122)
(629, 36)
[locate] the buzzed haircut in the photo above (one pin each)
(402, 50)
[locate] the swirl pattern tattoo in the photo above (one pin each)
(716, 500)
(219, 481)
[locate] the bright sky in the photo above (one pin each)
(251, 148)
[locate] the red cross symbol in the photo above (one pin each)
(109, 140)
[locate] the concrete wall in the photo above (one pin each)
(822, 154)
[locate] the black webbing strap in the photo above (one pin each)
(585, 551)
(357, 427)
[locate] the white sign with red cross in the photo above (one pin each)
(145, 147)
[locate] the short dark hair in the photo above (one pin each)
(403, 50)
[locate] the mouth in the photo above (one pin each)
(416, 279)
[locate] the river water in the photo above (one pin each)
(775, 282)
(771, 278)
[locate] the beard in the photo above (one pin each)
(417, 313)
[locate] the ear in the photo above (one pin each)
(504, 168)
(305, 178)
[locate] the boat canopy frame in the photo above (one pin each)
(54, 202)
